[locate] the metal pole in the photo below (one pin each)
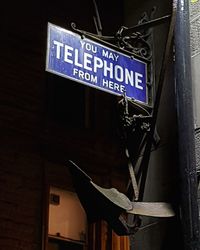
(186, 137)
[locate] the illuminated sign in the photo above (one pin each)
(93, 64)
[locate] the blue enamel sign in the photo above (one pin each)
(95, 65)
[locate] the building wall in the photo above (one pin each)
(37, 141)
(35, 145)
(194, 42)
(21, 116)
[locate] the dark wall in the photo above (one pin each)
(21, 125)
(41, 125)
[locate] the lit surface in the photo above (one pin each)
(68, 219)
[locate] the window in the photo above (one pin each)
(67, 224)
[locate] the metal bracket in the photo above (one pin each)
(138, 127)
(134, 40)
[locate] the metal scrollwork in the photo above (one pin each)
(135, 43)
(138, 43)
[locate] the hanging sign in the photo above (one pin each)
(93, 64)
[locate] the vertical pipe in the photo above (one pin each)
(186, 139)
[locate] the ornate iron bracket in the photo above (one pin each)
(135, 40)
(138, 128)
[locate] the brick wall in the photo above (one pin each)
(30, 142)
